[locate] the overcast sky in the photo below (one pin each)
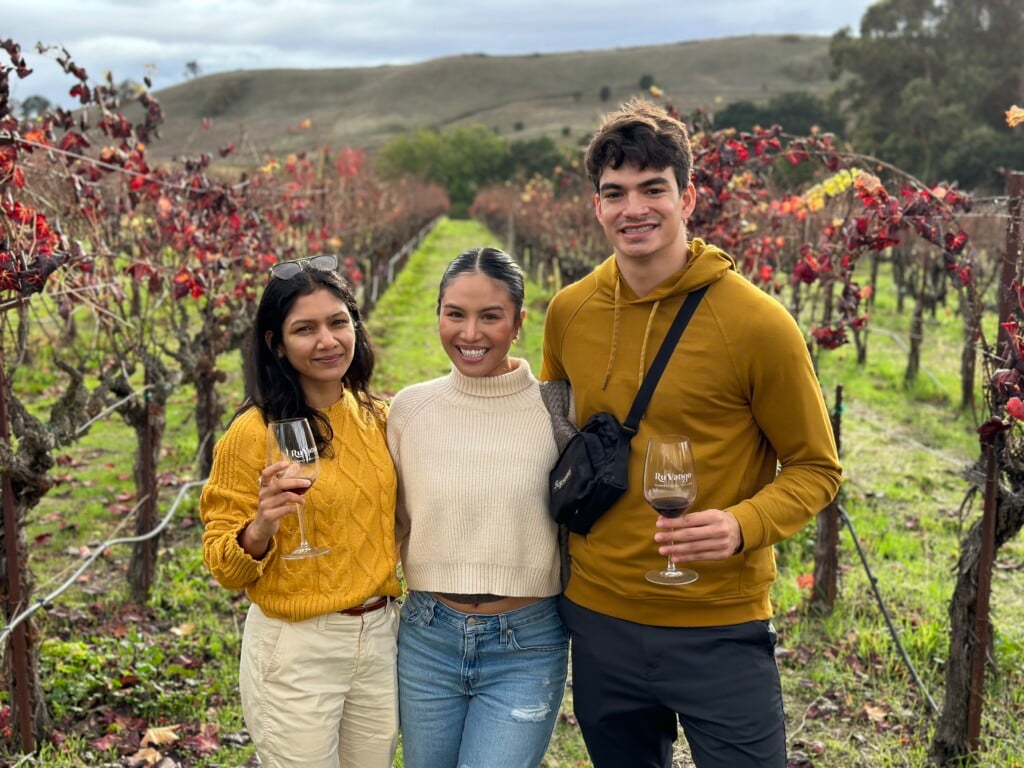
(136, 38)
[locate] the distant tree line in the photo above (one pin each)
(924, 86)
(466, 159)
(796, 111)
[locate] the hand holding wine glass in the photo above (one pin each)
(670, 487)
(291, 440)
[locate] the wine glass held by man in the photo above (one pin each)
(317, 674)
(670, 487)
(483, 654)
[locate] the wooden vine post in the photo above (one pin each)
(826, 543)
(982, 624)
(981, 621)
(19, 642)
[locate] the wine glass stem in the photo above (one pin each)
(301, 514)
(671, 567)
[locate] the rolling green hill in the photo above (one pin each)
(557, 95)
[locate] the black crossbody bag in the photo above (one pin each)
(591, 473)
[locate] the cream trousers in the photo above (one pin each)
(321, 693)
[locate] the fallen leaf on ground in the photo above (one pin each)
(164, 735)
(146, 756)
(876, 713)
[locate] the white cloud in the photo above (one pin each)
(133, 38)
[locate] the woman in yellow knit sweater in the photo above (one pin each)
(317, 673)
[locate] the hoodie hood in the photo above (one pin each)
(706, 264)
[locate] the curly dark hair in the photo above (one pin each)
(643, 134)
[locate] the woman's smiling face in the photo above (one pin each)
(478, 323)
(319, 340)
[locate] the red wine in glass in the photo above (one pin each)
(292, 440)
(671, 506)
(670, 487)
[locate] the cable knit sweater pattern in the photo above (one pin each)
(349, 509)
(473, 457)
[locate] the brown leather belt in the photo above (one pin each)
(359, 610)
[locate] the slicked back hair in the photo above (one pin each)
(492, 262)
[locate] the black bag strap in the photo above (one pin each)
(643, 397)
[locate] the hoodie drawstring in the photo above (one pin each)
(615, 339)
(615, 335)
(643, 348)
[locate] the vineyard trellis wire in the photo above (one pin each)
(97, 552)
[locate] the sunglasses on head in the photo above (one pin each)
(286, 270)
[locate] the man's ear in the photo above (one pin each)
(688, 200)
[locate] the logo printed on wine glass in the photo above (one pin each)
(673, 478)
(303, 455)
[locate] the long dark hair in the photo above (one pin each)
(492, 262)
(272, 384)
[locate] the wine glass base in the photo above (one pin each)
(678, 576)
(303, 552)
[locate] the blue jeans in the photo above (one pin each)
(478, 690)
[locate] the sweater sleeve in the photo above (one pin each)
(396, 417)
(229, 499)
(788, 406)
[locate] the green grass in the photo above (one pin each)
(850, 700)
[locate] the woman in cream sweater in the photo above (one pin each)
(481, 650)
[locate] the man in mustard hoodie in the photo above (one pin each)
(740, 384)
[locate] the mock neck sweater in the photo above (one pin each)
(350, 509)
(473, 456)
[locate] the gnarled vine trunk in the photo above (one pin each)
(26, 479)
(146, 414)
(951, 743)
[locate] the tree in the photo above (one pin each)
(800, 112)
(33, 106)
(605, 93)
(646, 81)
(741, 115)
(535, 157)
(192, 70)
(461, 161)
(803, 112)
(928, 82)
(31, 253)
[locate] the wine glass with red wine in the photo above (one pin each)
(670, 486)
(292, 440)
